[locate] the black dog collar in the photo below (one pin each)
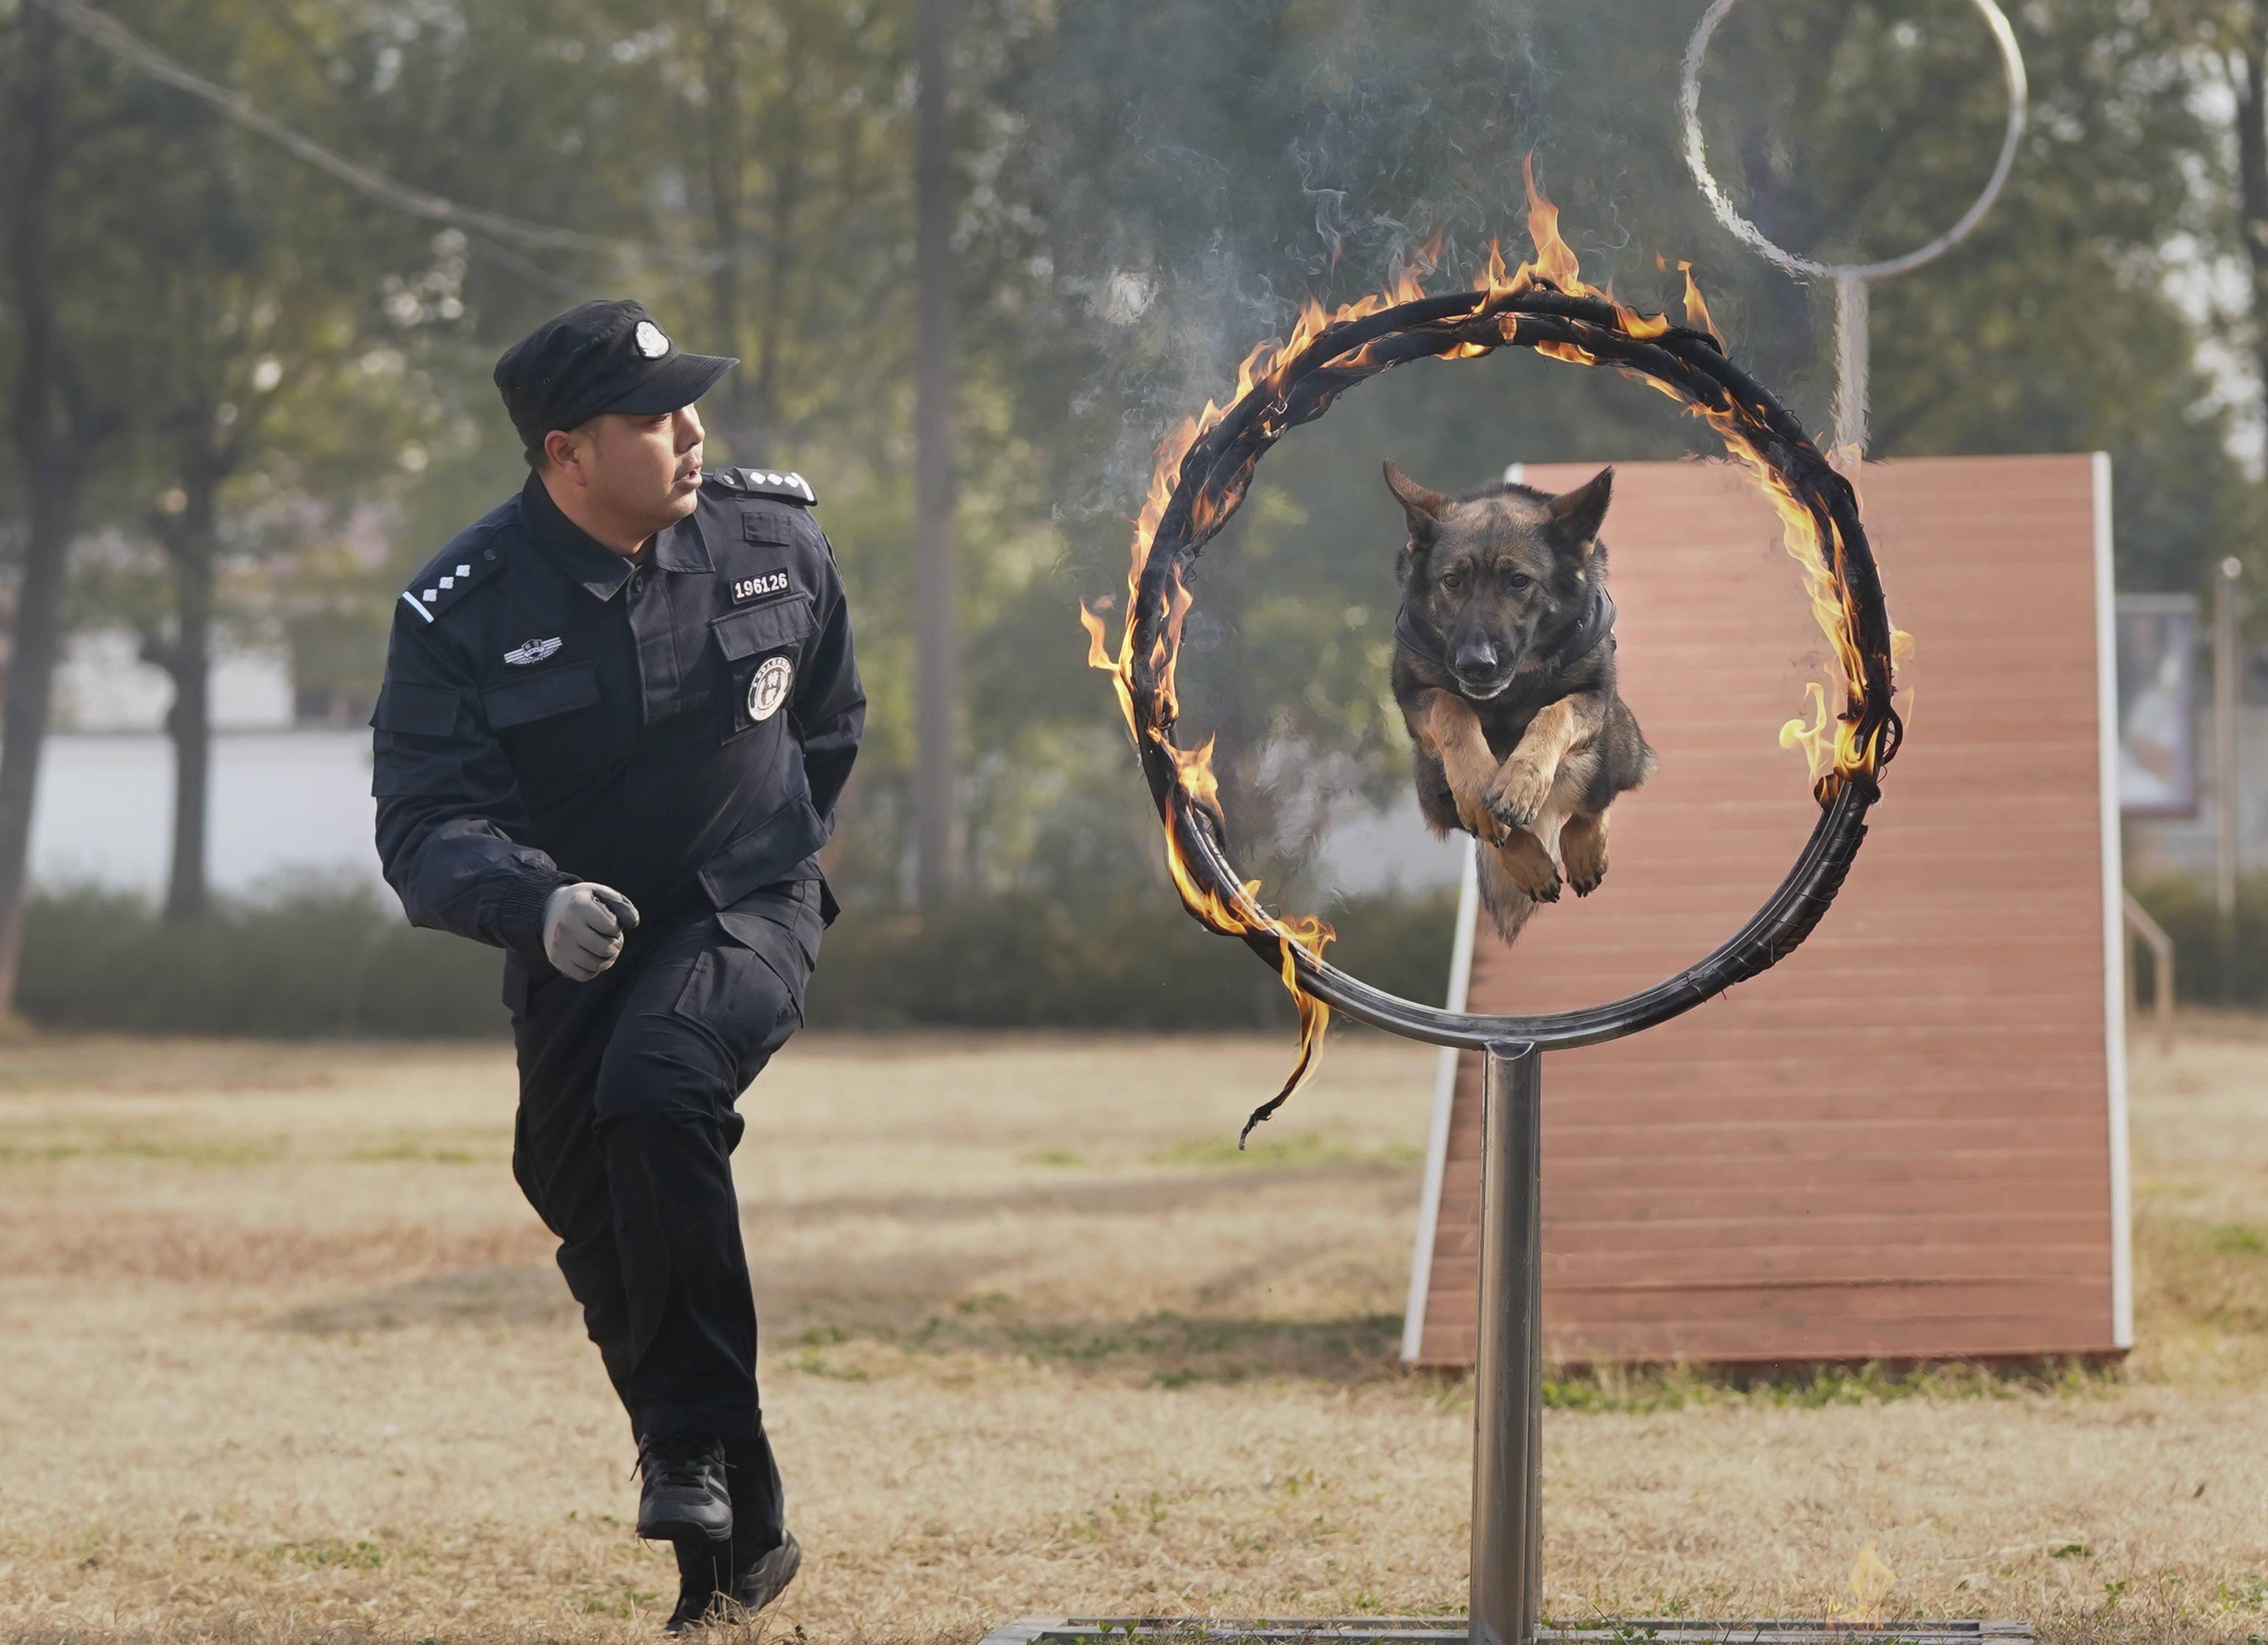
(1597, 622)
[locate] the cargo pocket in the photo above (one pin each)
(744, 990)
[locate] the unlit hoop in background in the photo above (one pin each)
(1851, 278)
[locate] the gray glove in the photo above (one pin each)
(583, 927)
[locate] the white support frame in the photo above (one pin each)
(1444, 1103)
(2114, 936)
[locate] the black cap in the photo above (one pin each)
(606, 355)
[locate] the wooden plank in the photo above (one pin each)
(1804, 1341)
(1763, 1305)
(2061, 1195)
(1859, 1143)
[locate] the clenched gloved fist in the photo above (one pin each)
(583, 927)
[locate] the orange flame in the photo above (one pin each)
(1830, 742)
(1555, 258)
(1697, 310)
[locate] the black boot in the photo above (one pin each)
(685, 1497)
(764, 1556)
(705, 1572)
(759, 1578)
(716, 1583)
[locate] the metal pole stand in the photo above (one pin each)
(1506, 1575)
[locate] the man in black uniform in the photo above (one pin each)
(618, 712)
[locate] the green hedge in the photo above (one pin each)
(310, 961)
(328, 961)
(2187, 910)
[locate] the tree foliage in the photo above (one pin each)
(1145, 191)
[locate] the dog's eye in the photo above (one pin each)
(1519, 579)
(1453, 580)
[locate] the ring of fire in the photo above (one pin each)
(1205, 468)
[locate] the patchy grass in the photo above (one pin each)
(1642, 1390)
(285, 1358)
(193, 1152)
(1300, 1150)
(363, 1556)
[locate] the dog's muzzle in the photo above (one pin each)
(1481, 688)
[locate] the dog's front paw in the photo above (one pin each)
(1519, 790)
(1583, 845)
(1528, 867)
(1473, 811)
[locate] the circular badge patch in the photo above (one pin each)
(650, 340)
(768, 689)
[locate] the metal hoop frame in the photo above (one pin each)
(1689, 102)
(1215, 473)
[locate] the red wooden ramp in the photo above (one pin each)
(1908, 1140)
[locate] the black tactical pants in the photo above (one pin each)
(624, 1144)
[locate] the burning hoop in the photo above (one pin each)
(1203, 476)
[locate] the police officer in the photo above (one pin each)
(619, 709)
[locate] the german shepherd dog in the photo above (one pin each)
(1504, 667)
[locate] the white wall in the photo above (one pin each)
(282, 803)
(102, 684)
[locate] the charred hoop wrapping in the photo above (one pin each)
(1585, 328)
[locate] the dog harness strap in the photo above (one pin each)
(1408, 629)
(1594, 628)
(1597, 622)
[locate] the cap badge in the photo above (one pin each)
(650, 340)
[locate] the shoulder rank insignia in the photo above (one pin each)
(447, 578)
(788, 488)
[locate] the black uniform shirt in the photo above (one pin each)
(553, 712)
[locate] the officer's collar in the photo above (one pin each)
(597, 568)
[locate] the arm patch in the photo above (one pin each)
(423, 711)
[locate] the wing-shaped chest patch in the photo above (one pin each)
(534, 650)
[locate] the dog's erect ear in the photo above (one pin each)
(1576, 515)
(1423, 506)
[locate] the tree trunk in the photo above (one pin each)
(780, 329)
(36, 644)
(189, 722)
(720, 78)
(936, 636)
(51, 442)
(2252, 189)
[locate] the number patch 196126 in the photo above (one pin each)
(747, 588)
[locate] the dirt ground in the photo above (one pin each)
(283, 1356)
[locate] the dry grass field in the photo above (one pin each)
(283, 1356)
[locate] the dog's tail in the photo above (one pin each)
(1508, 906)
